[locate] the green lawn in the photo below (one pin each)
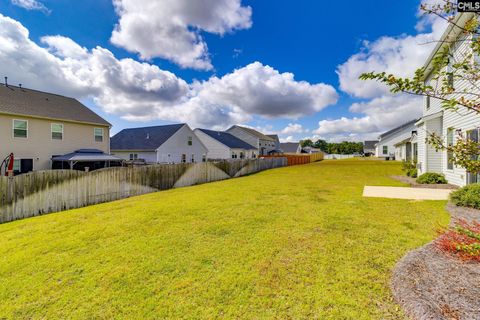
(296, 242)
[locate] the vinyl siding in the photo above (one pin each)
(245, 136)
(216, 150)
(171, 151)
(393, 139)
(39, 145)
(149, 157)
(461, 119)
(422, 150)
(434, 158)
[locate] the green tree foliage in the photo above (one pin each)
(449, 70)
(306, 143)
(345, 147)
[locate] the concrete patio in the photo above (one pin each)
(406, 193)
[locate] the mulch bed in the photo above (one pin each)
(413, 183)
(430, 284)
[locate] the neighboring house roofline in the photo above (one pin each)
(397, 129)
(144, 138)
(246, 146)
(253, 132)
(429, 117)
(184, 125)
(133, 150)
(26, 102)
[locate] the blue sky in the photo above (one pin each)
(318, 42)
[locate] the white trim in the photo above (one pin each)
(95, 136)
(51, 131)
(13, 128)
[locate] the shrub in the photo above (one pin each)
(410, 168)
(468, 196)
(431, 178)
(462, 240)
(412, 173)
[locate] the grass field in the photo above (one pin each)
(297, 242)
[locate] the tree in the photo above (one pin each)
(306, 143)
(321, 144)
(454, 81)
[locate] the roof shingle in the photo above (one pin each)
(228, 139)
(146, 138)
(33, 103)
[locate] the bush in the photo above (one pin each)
(410, 168)
(431, 178)
(412, 173)
(462, 240)
(468, 196)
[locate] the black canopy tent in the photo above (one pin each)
(85, 158)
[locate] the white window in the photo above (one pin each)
(98, 134)
(57, 131)
(190, 141)
(133, 156)
(184, 158)
(20, 128)
(385, 149)
(204, 158)
(193, 158)
(234, 155)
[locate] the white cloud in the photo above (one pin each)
(293, 128)
(401, 56)
(31, 5)
(171, 29)
(397, 55)
(379, 115)
(262, 90)
(289, 139)
(143, 92)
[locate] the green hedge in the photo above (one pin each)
(431, 178)
(468, 196)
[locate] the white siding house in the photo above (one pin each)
(385, 146)
(263, 143)
(223, 145)
(447, 123)
(160, 144)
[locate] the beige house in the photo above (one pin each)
(36, 126)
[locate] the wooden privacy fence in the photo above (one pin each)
(42, 192)
(297, 159)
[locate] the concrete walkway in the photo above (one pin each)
(406, 193)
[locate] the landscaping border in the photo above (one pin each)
(430, 284)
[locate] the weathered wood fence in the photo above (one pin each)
(297, 159)
(42, 192)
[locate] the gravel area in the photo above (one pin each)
(413, 183)
(430, 284)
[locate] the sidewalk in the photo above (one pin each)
(406, 193)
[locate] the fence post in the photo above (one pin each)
(10, 187)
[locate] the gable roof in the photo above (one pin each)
(370, 144)
(289, 147)
(399, 128)
(228, 139)
(145, 138)
(253, 132)
(32, 103)
(274, 137)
